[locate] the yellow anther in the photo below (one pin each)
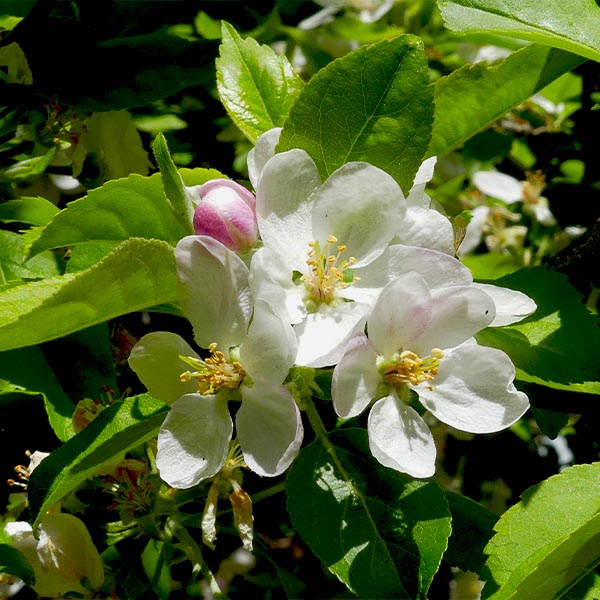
(214, 372)
(408, 367)
(327, 271)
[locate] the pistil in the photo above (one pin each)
(214, 372)
(328, 271)
(410, 368)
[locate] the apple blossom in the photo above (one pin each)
(425, 223)
(62, 555)
(510, 190)
(226, 212)
(420, 340)
(250, 351)
(319, 242)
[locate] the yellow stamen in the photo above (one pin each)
(214, 372)
(533, 187)
(409, 367)
(327, 271)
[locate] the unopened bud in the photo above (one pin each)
(227, 212)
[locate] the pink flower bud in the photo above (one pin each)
(227, 213)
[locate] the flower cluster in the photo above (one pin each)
(344, 273)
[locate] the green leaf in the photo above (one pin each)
(572, 26)
(132, 207)
(382, 533)
(115, 142)
(588, 588)
(116, 430)
(472, 527)
(473, 97)
(86, 254)
(181, 203)
(560, 342)
(491, 265)
(14, 562)
(155, 561)
(136, 275)
(547, 542)
(374, 104)
(32, 210)
(256, 85)
(13, 252)
(86, 353)
(28, 373)
(30, 167)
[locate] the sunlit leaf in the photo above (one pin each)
(382, 533)
(473, 97)
(560, 342)
(374, 105)
(13, 252)
(138, 274)
(31, 210)
(120, 209)
(256, 86)
(112, 137)
(547, 542)
(135, 206)
(117, 429)
(572, 26)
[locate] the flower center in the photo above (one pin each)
(408, 367)
(214, 372)
(328, 271)
(533, 187)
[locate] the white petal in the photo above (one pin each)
(542, 212)
(214, 291)
(417, 196)
(427, 228)
(474, 231)
(362, 206)
(270, 348)
(269, 428)
(400, 439)
(284, 205)
(498, 185)
(457, 314)
(436, 268)
(401, 314)
(322, 336)
(193, 440)
(474, 390)
(512, 306)
(355, 378)
(155, 360)
(271, 281)
(261, 153)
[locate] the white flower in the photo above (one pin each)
(369, 11)
(510, 190)
(420, 339)
(320, 240)
(492, 222)
(250, 353)
(425, 223)
(61, 556)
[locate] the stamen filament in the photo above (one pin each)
(214, 372)
(410, 368)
